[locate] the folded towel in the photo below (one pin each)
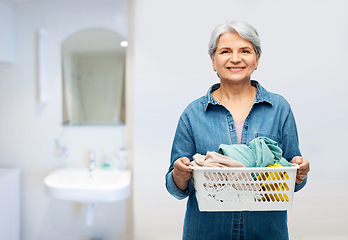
(213, 159)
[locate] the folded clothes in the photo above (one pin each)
(213, 159)
(261, 152)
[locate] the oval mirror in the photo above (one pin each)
(93, 64)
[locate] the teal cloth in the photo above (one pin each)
(261, 152)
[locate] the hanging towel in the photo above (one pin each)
(261, 152)
(213, 159)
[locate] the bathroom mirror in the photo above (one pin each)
(93, 65)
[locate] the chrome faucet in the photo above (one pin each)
(92, 161)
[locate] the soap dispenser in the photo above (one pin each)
(106, 162)
(122, 159)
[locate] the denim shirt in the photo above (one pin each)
(202, 127)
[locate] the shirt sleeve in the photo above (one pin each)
(291, 143)
(183, 146)
(299, 186)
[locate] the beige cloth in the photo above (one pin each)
(214, 159)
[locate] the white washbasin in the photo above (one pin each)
(76, 184)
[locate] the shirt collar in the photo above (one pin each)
(262, 95)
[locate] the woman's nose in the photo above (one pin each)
(235, 58)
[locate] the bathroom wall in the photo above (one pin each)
(29, 129)
(304, 58)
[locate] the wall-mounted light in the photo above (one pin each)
(124, 43)
(42, 64)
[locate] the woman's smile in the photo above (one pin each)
(235, 69)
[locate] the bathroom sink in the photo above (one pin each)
(77, 184)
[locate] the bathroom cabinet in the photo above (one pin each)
(9, 203)
(7, 33)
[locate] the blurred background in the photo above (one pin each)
(305, 53)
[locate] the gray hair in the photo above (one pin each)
(244, 30)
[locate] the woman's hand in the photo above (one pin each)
(181, 173)
(303, 170)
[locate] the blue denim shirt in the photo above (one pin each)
(202, 127)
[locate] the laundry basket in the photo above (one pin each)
(239, 189)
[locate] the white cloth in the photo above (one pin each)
(214, 159)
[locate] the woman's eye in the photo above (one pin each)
(245, 51)
(224, 52)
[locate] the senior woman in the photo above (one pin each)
(234, 111)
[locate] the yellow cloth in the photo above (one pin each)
(275, 165)
(269, 178)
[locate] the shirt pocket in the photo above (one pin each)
(270, 136)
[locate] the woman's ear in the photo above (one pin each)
(213, 62)
(257, 61)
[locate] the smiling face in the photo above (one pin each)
(235, 59)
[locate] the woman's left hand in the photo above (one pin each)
(303, 170)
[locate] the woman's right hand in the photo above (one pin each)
(182, 173)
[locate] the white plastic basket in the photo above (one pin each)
(238, 189)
